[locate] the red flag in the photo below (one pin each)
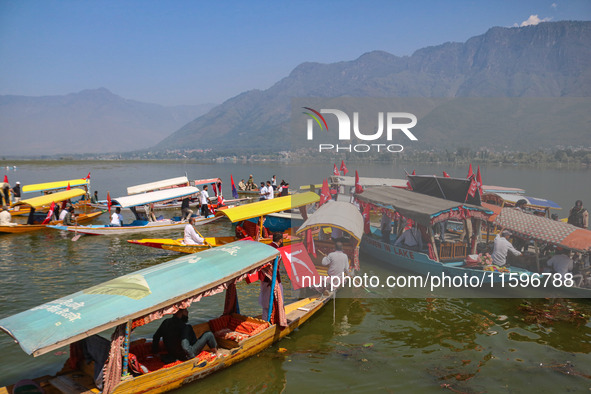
(470, 172)
(109, 202)
(413, 172)
(473, 187)
(445, 174)
(344, 168)
(358, 187)
(335, 170)
(66, 202)
(215, 189)
(49, 214)
(324, 194)
(6, 178)
(479, 181)
(298, 265)
(88, 176)
(234, 191)
(366, 226)
(310, 243)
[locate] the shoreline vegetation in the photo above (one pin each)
(558, 158)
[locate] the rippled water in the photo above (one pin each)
(360, 344)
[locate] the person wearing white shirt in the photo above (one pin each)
(263, 192)
(117, 218)
(561, 263)
(191, 236)
(5, 217)
(204, 200)
(270, 191)
(501, 246)
(63, 214)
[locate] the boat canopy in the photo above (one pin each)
(533, 201)
(266, 207)
(501, 189)
(69, 319)
(367, 182)
(454, 189)
(421, 208)
(148, 187)
(207, 181)
(545, 230)
(47, 199)
(150, 197)
(39, 187)
(342, 215)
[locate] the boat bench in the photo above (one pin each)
(452, 251)
(230, 330)
(142, 350)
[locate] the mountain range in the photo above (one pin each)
(90, 121)
(549, 60)
(517, 88)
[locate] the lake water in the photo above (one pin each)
(359, 344)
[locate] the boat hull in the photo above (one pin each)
(25, 228)
(130, 229)
(176, 245)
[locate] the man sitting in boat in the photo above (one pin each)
(411, 239)
(250, 185)
(242, 185)
(5, 217)
(116, 218)
(561, 262)
(578, 216)
(94, 198)
(180, 340)
(501, 246)
(191, 236)
(150, 212)
(69, 219)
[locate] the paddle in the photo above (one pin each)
(77, 236)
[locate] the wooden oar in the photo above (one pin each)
(77, 236)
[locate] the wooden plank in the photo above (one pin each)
(67, 385)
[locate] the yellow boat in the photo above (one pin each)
(145, 296)
(47, 200)
(51, 187)
(240, 215)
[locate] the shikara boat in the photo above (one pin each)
(47, 200)
(147, 295)
(241, 216)
(52, 187)
(547, 235)
(540, 206)
(334, 221)
(140, 224)
(426, 211)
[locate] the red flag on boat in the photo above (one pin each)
(413, 172)
(234, 191)
(479, 181)
(66, 202)
(366, 226)
(445, 174)
(344, 167)
(310, 243)
(87, 176)
(215, 189)
(470, 172)
(49, 214)
(473, 187)
(335, 170)
(6, 177)
(298, 265)
(324, 194)
(358, 187)
(109, 202)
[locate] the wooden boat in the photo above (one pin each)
(344, 223)
(538, 206)
(148, 295)
(241, 216)
(140, 224)
(448, 258)
(52, 187)
(47, 200)
(547, 235)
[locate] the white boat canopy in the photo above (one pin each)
(157, 196)
(339, 214)
(147, 187)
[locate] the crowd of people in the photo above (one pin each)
(267, 190)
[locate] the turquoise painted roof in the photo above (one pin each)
(57, 323)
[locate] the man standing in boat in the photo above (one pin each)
(270, 191)
(117, 218)
(204, 200)
(501, 247)
(578, 216)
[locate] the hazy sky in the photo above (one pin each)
(193, 52)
